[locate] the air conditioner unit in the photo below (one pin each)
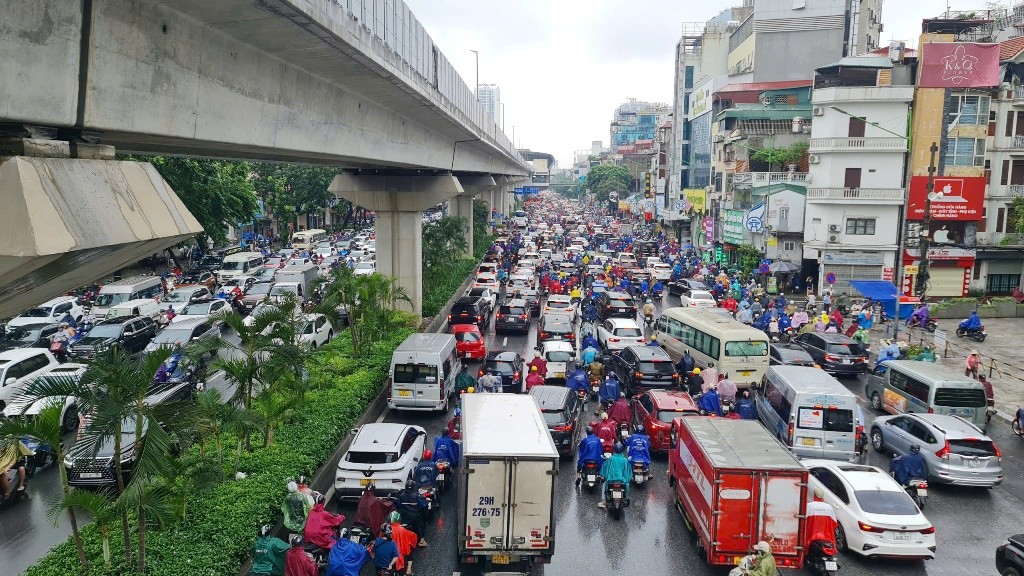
(814, 158)
(834, 228)
(833, 238)
(984, 240)
(819, 110)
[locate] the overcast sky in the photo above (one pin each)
(563, 66)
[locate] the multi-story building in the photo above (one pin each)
(1000, 248)
(858, 148)
(636, 120)
(490, 100)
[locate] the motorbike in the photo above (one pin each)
(443, 473)
(360, 535)
(977, 334)
(657, 294)
(648, 321)
(595, 388)
(641, 473)
(429, 493)
(918, 491)
(44, 456)
(821, 558)
(59, 347)
(17, 488)
(1018, 423)
(616, 499)
(931, 325)
(590, 474)
(163, 321)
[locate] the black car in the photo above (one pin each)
(685, 285)
(513, 315)
(198, 278)
(789, 354)
(556, 327)
(835, 353)
(641, 368)
(470, 310)
(1010, 556)
(561, 409)
(615, 305)
(532, 298)
(29, 336)
(131, 333)
(508, 365)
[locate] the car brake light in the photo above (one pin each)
(789, 434)
(831, 358)
(869, 528)
(642, 340)
(449, 317)
(515, 375)
(566, 428)
(675, 375)
(999, 453)
(638, 374)
(523, 316)
(613, 339)
(928, 530)
(944, 451)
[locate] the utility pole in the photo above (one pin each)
(477, 56)
(921, 283)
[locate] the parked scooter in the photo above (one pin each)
(821, 558)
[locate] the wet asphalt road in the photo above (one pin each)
(650, 539)
(26, 531)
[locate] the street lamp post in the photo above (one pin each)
(477, 57)
(502, 105)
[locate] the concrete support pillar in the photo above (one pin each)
(473, 184)
(399, 202)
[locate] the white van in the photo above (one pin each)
(239, 264)
(810, 412)
(121, 291)
(423, 370)
(139, 307)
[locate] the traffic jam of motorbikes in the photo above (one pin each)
(737, 388)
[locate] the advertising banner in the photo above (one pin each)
(696, 200)
(960, 65)
(955, 198)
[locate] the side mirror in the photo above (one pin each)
(10, 381)
(355, 431)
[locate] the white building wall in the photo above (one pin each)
(819, 216)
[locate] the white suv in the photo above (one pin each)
(50, 311)
(69, 409)
(614, 334)
(382, 454)
(18, 368)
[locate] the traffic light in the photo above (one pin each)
(647, 185)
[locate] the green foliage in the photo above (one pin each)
(218, 193)
(749, 258)
(293, 189)
(442, 239)
(605, 178)
(781, 156)
(441, 282)
(1016, 216)
(220, 526)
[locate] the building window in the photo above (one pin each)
(860, 226)
(1001, 283)
(1000, 218)
(964, 109)
(783, 216)
(789, 246)
(965, 152)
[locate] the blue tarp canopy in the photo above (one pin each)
(882, 291)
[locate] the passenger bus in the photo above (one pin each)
(308, 239)
(735, 348)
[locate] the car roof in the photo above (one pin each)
(836, 338)
(117, 319)
(549, 397)
(559, 297)
(615, 295)
(950, 425)
(379, 436)
(55, 301)
(465, 328)
(623, 322)
(557, 344)
(188, 323)
(19, 354)
(467, 300)
(503, 355)
(671, 399)
(650, 353)
(858, 476)
(514, 302)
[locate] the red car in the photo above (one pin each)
(469, 341)
(656, 409)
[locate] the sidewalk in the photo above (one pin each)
(1002, 355)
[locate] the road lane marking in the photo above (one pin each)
(504, 341)
(382, 416)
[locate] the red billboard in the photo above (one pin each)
(960, 65)
(955, 197)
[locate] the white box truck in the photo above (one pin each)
(507, 485)
(295, 279)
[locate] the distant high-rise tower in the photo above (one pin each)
(490, 99)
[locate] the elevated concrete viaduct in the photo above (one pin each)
(346, 83)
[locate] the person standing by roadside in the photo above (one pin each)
(972, 364)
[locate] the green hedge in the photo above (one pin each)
(217, 536)
(441, 281)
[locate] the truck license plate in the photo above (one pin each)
(831, 565)
(405, 393)
(901, 536)
(809, 441)
(501, 559)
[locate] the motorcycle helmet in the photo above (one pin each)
(385, 530)
(264, 530)
(915, 448)
(295, 540)
(343, 534)
(394, 517)
(639, 429)
(410, 485)
(428, 455)
(318, 498)
(819, 494)
(619, 447)
(590, 430)
(696, 371)
(763, 547)
(303, 481)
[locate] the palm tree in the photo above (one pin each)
(97, 504)
(211, 418)
(276, 406)
(370, 300)
(46, 427)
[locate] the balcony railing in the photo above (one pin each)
(1018, 93)
(756, 179)
(1017, 142)
(890, 194)
(892, 144)
(1008, 191)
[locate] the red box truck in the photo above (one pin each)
(736, 485)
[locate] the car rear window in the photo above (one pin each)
(503, 368)
(852, 348)
(464, 310)
(661, 367)
(514, 310)
(667, 416)
(415, 373)
(554, 417)
(972, 447)
(467, 336)
(614, 303)
(891, 503)
(371, 457)
(961, 397)
(628, 332)
(828, 420)
(559, 356)
(746, 348)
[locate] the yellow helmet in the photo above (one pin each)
(470, 390)
(696, 370)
